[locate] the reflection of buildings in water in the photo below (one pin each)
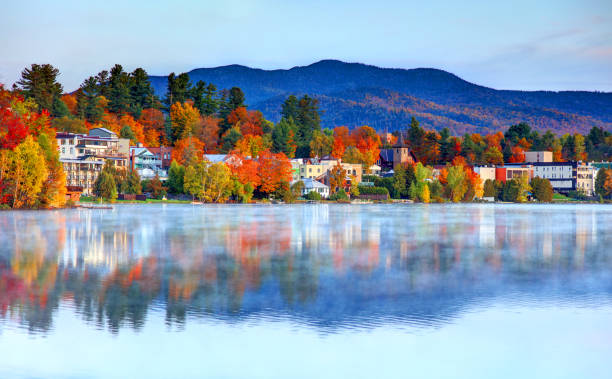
(235, 264)
(586, 226)
(547, 248)
(91, 242)
(486, 227)
(313, 230)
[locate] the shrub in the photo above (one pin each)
(542, 189)
(578, 195)
(511, 190)
(341, 195)
(313, 195)
(435, 189)
(363, 190)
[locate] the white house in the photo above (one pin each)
(146, 163)
(311, 185)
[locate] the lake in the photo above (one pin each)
(307, 291)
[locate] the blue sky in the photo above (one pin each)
(545, 44)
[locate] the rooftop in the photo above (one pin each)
(215, 158)
(311, 183)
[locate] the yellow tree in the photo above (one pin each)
(321, 144)
(251, 145)
(455, 183)
(352, 155)
(53, 192)
(28, 173)
(185, 119)
(217, 183)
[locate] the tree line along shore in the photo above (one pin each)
(196, 121)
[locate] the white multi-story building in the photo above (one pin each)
(567, 176)
(83, 155)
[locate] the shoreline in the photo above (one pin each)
(107, 205)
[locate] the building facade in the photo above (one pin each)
(538, 156)
(146, 163)
(164, 154)
(511, 171)
(84, 155)
(82, 173)
(568, 176)
(485, 172)
(311, 185)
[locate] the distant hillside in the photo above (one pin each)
(355, 94)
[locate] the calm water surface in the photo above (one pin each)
(325, 291)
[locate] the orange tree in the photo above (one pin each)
(274, 169)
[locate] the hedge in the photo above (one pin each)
(363, 190)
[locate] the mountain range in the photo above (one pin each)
(354, 94)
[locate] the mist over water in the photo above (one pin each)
(324, 290)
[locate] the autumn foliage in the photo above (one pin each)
(274, 169)
(30, 172)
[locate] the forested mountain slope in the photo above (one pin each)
(356, 94)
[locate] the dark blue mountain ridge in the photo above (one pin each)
(355, 94)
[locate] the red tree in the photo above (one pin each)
(274, 169)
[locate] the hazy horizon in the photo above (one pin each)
(549, 45)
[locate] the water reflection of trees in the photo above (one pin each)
(324, 264)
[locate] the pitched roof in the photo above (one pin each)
(215, 158)
(140, 150)
(386, 155)
(104, 130)
(311, 183)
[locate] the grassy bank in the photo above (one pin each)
(94, 200)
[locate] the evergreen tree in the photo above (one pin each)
(88, 106)
(305, 113)
(103, 84)
(39, 82)
(547, 142)
(128, 133)
(600, 182)
(236, 98)
(230, 100)
(120, 101)
(289, 109)
(446, 145)
(197, 94)
(518, 131)
(176, 175)
(416, 138)
(210, 104)
(229, 139)
(568, 147)
(282, 137)
(178, 90)
(59, 108)
(141, 92)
